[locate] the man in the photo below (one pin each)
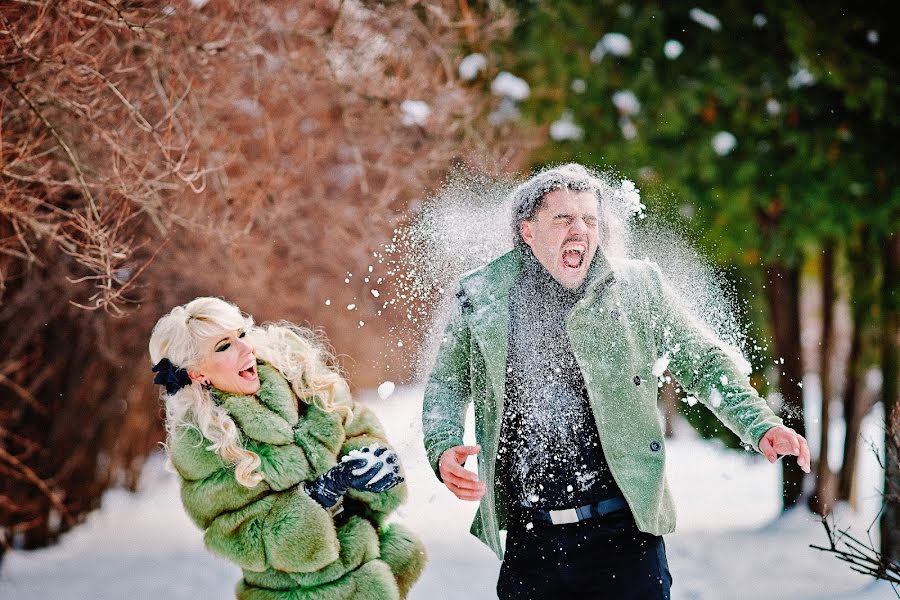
(560, 345)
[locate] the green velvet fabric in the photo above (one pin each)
(288, 546)
(627, 320)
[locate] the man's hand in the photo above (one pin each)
(784, 440)
(463, 483)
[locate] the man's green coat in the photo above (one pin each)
(628, 328)
(288, 546)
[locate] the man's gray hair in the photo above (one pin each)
(528, 197)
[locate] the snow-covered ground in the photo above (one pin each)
(730, 544)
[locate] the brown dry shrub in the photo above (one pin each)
(152, 153)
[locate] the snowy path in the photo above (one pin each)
(142, 546)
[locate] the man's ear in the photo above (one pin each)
(527, 233)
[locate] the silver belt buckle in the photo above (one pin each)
(563, 517)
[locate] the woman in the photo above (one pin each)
(287, 476)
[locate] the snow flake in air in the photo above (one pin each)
(578, 86)
(414, 112)
(385, 390)
(631, 197)
(760, 20)
(724, 142)
(872, 36)
(706, 19)
(673, 49)
(773, 107)
(471, 66)
(508, 85)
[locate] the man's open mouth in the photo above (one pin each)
(249, 372)
(573, 258)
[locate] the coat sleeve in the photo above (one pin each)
(255, 527)
(447, 392)
(708, 368)
(365, 430)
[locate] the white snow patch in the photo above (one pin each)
(506, 111)
(376, 293)
(385, 390)
(628, 128)
(715, 397)
(472, 65)
(617, 44)
(414, 113)
(730, 538)
(673, 49)
(801, 78)
(613, 43)
(710, 21)
(660, 366)
(723, 380)
(198, 4)
(248, 106)
(626, 102)
(724, 142)
(508, 85)
(565, 128)
(630, 197)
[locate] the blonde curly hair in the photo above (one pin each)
(297, 353)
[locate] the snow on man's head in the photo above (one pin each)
(527, 199)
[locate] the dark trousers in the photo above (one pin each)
(598, 558)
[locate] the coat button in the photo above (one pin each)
(637, 380)
(615, 314)
(655, 446)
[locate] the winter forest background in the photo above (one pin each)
(275, 153)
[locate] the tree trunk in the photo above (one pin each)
(890, 304)
(863, 274)
(783, 295)
(823, 497)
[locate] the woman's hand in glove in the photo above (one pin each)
(373, 469)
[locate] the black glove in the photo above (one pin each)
(367, 469)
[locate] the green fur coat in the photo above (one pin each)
(289, 547)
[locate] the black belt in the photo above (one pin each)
(581, 513)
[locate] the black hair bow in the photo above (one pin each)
(167, 374)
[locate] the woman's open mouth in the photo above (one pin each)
(249, 373)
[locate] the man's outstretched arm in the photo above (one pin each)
(710, 371)
(447, 395)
